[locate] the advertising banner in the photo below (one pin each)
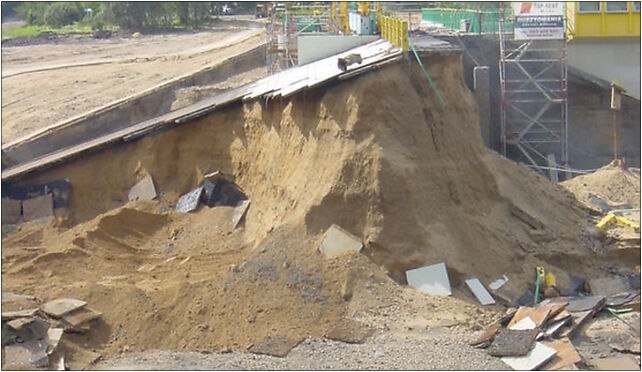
(538, 20)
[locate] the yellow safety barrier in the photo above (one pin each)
(395, 31)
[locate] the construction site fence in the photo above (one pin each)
(395, 30)
(466, 20)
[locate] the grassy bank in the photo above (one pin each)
(33, 31)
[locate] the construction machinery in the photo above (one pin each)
(611, 219)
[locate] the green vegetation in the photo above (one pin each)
(87, 16)
(32, 31)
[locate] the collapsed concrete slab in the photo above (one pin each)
(432, 280)
(143, 190)
(62, 306)
(189, 201)
(337, 242)
(480, 291)
(239, 213)
(539, 355)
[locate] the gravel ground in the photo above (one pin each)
(434, 348)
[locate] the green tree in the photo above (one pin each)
(62, 13)
(33, 13)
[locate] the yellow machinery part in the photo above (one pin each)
(610, 219)
(606, 220)
(343, 17)
(622, 221)
(363, 8)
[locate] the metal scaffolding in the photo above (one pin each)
(286, 22)
(534, 103)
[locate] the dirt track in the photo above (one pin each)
(45, 85)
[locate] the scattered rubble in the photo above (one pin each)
(554, 321)
(31, 342)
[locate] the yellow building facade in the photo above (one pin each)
(603, 19)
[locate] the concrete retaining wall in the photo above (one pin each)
(123, 113)
(315, 47)
(611, 59)
(590, 119)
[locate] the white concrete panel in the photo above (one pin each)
(538, 355)
(337, 242)
(315, 47)
(432, 280)
(480, 291)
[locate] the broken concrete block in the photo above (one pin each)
(577, 319)
(498, 283)
(27, 313)
(208, 193)
(480, 291)
(239, 212)
(143, 190)
(28, 355)
(337, 241)
(536, 357)
(585, 303)
(17, 357)
(189, 201)
(553, 328)
(524, 324)
(80, 316)
(38, 207)
(57, 363)
(350, 331)
(432, 280)
(278, 346)
(33, 329)
(53, 338)
(62, 306)
(11, 211)
(19, 324)
(509, 342)
(605, 286)
(224, 192)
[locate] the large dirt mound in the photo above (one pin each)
(612, 181)
(376, 155)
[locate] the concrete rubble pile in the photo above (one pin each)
(539, 336)
(31, 337)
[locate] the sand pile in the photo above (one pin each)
(612, 182)
(376, 155)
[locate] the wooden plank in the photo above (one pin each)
(566, 355)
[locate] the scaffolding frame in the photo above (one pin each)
(534, 100)
(286, 22)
